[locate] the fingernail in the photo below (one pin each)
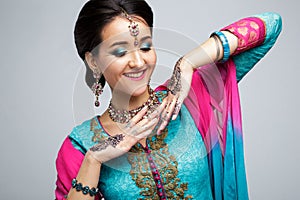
(158, 132)
(174, 117)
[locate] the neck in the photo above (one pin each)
(124, 101)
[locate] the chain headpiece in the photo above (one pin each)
(133, 27)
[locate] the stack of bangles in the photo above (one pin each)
(226, 49)
(86, 189)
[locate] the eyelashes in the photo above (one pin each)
(120, 52)
(146, 47)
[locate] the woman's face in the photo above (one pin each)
(126, 67)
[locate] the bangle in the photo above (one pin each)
(225, 44)
(85, 190)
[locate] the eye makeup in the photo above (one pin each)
(119, 52)
(146, 46)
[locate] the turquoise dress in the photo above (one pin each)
(182, 166)
(190, 167)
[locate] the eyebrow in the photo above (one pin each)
(125, 42)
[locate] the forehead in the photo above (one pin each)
(118, 29)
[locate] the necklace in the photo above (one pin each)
(123, 116)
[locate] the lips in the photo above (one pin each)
(135, 75)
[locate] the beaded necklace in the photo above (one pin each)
(123, 116)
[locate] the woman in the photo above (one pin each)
(181, 141)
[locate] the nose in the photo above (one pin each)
(136, 60)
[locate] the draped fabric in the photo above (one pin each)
(214, 106)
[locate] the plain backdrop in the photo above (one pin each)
(43, 95)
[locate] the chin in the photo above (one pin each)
(139, 91)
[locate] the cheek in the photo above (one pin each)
(151, 58)
(113, 72)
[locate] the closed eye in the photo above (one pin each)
(146, 46)
(119, 52)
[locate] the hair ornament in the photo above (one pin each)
(133, 27)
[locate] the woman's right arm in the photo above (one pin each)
(88, 175)
(72, 163)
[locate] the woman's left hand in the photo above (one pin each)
(178, 89)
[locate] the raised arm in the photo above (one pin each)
(245, 42)
(249, 39)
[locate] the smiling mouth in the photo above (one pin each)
(136, 75)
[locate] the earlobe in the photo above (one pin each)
(90, 60)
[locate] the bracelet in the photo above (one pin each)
(225, 44)
(85, 190)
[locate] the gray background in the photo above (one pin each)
(41, 75)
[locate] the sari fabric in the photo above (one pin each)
(211, 114)
(218, 112)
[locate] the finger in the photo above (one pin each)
(167, 113)
(139, 115)
(149, 126)
(144, 134)
(135, 119)
(139, 131)
(155, 114)
(176, 109)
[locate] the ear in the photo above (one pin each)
(91, 61)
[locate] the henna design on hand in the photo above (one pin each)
(112, 141)
(174, 85)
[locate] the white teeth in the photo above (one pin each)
(134, 75)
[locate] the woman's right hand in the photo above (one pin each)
(137, 129)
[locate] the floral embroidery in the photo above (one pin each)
(167, 167)
(250, 32)
(98, 133)
(140, 169)
(254, 25)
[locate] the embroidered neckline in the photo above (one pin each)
(168, 186)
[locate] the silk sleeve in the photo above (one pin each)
(68, 163)
(256, 36)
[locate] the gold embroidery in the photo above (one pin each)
(98, 133)
(254, 25)
(232, 29)
(241, 42)
(252, 36)
(140, 169)
(166, 165)
(243, 31)
(242, 23)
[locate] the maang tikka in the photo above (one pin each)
(97, 88)
(133, 27)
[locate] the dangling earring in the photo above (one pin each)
(97, 88)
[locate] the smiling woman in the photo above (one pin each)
(182, 140)
(126, 62)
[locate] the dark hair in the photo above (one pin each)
(92, 18)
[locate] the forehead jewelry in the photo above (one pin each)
(133, 27)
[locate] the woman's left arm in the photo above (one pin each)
(248, 40)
